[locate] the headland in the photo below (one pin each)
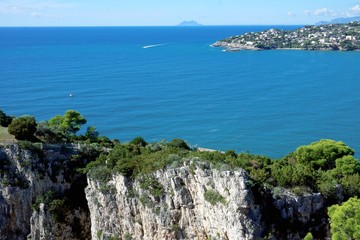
(334, 37)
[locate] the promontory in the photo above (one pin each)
(344, 37)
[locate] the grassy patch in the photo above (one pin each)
(5, 136)
(214, 197)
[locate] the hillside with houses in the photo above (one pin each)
(344, 37)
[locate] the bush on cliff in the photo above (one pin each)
(23, 128)
(322, 154)
(139, 141)
(214, 197)
(345, 220)
(179, 143)
(5, 120)
(49, 134)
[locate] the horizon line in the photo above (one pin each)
(199, 26)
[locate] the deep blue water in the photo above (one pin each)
(264, 102)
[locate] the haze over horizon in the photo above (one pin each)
(165, 13)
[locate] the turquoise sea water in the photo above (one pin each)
(264, 102)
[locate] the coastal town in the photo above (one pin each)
(343, 37)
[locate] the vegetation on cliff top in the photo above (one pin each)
(323, 166)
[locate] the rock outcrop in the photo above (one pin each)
(234, 46)
(300, 208)
(182, 209)
(292, 216)
(32, 182)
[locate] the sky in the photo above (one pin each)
(172, 12)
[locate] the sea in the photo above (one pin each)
(163, 83)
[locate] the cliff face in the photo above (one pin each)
(193, 202)
(289, 216)
(234, 46)
(32, 184)
(43, 197)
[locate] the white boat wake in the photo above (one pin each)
(154, 45)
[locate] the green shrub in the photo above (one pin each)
(23, 128)
(139, 141)
(347, 165)
(251, 161)
(26, 145)
(146, 201)
(152, 185)
(327, 185)
(259, 175)
(214, 197)
(174, 158)
(293, 175)
(49, 134)
(5, 120)
(91, 134)
(127, 236)
(105, 142)
(230, 153)
(45, 198)
(132, 193)
(309, 236)
(56, 208)
(123, 158)
(345, 220)
(212, 157)
(99, 234)
(192, 168)
(322, 154)
(100, 173)
(179, 143)
(175, 227)
(351, 185)
(155, 147)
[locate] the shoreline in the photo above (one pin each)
(240, 47)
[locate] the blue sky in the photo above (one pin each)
(171, 12)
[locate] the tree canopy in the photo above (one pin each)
(23, 127)
(345, 220)
(69, 124)
(322, 154)
(5, 120)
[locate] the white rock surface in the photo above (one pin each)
(181, 212)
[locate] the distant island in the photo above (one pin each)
(343, 37)
(340, 20)
(191, 23)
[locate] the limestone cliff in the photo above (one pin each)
(182, 209)
(42, 196)
(288, 216)
(33, 185)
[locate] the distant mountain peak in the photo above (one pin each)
(191, 23)
(340, 20)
